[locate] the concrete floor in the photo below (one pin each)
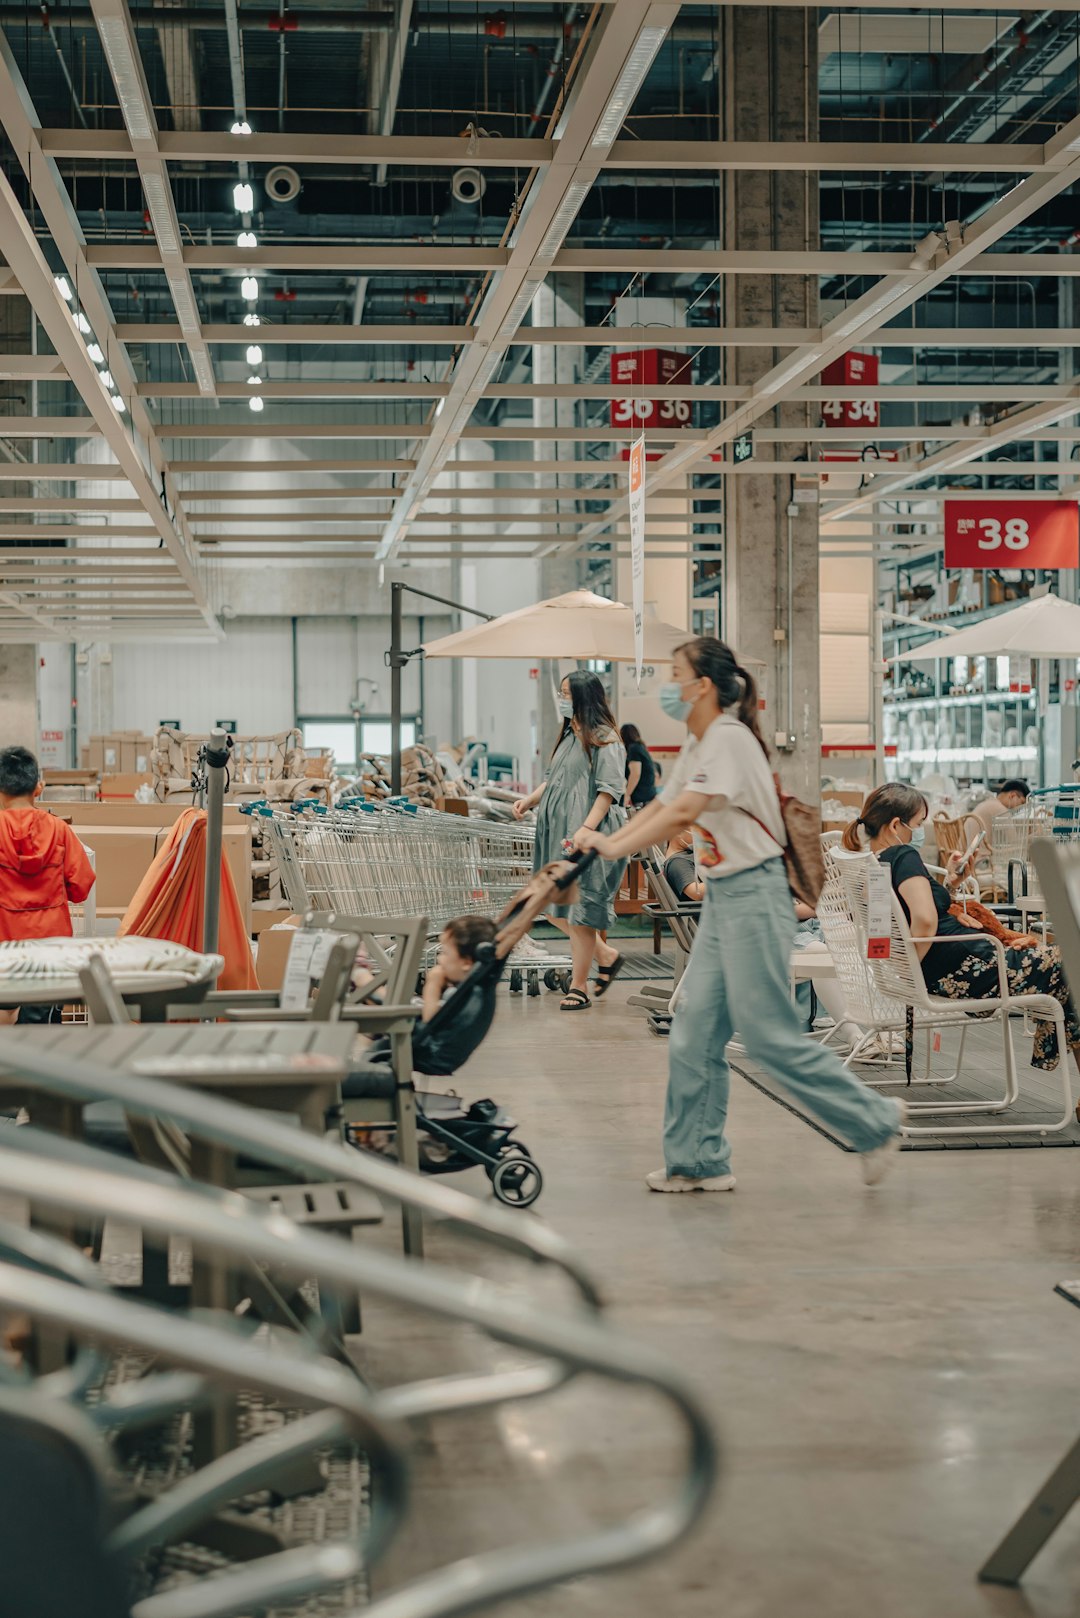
(890, 1372)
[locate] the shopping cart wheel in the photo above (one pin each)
(534, 985)
(552, 979)
(515, 981)
(517, 1180)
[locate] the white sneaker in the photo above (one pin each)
(660, 1180)
(876, 1164)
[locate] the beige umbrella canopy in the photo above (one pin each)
(1045, 627)
(576, 625)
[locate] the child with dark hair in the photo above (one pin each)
(43, 866)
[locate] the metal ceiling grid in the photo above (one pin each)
(395, 318)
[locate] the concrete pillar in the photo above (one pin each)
(18, 697)
(771, 571)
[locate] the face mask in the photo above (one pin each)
(564, 707)
(918, 836)
(672, 702)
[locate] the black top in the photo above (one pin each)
(905, 862)
(645, 791)
(680, 871)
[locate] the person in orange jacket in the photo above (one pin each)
(43, 866)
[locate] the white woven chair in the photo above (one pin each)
(899, 979)
(878, 1015)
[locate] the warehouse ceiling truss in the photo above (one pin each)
(380, 332)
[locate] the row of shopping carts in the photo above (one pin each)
(397, 859)
(1050, 813)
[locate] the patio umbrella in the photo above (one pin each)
(1045, 627)
(576, 625)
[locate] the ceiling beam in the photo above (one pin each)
(405, 151)
(132, 442)
(486, 152)
(937, 259)
(704, 392)
(117, 35)
(48, 426)
(307, 333)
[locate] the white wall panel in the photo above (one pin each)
(246, 677)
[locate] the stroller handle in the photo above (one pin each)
(580, 860)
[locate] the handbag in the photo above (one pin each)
(804, 861)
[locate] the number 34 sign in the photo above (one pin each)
(1012, 533)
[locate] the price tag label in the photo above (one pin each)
(879, 913)
(308, 955)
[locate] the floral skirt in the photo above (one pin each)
(1029, 970)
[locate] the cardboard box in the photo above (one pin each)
(124, 851)
(123, 786)
(273, 953)
(122, 857)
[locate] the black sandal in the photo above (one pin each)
(606, 975)
(576, 1000)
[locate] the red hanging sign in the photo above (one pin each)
(1012, 533)
(858, 371)
(637, 370)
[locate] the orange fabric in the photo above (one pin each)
(168, 902)
(43, 869)
(974, 914)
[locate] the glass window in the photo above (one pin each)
(338, 734)
(376, 736)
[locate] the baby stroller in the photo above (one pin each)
(455, 1136)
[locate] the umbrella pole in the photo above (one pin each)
(396, 663)
(217, 759)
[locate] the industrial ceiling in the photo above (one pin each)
(304, 285)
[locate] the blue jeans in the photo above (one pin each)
(738, 979)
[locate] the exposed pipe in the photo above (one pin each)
(46, 23)
(553, 68)
(1016, 39)
(542, 25)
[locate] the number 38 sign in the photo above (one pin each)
(1012, 533)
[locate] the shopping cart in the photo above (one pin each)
(361, 858)
(1051, 813)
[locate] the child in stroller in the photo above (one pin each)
(458, 1007)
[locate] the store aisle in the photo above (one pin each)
(890, 1371)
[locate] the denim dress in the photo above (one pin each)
(572, 786)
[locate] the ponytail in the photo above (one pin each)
(851, 839)
(736, 689)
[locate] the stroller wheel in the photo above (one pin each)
(517, 1181)
(515, 981)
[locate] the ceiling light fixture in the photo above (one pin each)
(627, 85)
(63, 286)
(243, 197)
(255, 403)
(106, 377)
(249, 288)
(563, 218)
(82, 323)
(127, 76)
(95, 353)
(252, 319)
(254, 355)
(159, 205)
(247, 238)
(118, 404)
(254, 381)
(240, 127)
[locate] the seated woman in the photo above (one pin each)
(680, 868)
(892, 819)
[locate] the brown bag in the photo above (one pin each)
(803, 858)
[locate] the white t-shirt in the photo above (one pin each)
(729, 768)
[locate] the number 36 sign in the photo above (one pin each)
(1012, 533)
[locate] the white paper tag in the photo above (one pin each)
(879, 913)
(308, 955)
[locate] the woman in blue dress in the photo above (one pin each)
(584, 790)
